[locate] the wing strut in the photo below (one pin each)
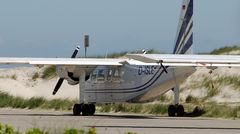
(164, 68)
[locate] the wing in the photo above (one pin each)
(189, 60)
(63, 61)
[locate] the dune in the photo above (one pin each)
(19, 82)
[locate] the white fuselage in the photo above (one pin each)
(130, 83)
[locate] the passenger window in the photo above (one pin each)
(94, 76)
(101, 75)
(116, 73)
(109, 76)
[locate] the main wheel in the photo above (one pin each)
(180, 111)
(171, 111)
(85, 110)
(92, 109)
(77, 109)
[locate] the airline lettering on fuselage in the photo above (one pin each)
(146, 70)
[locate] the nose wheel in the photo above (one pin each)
(84, 109)
(176, 110)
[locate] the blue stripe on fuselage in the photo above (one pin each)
(138, 90)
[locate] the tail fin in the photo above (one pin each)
(184, 38)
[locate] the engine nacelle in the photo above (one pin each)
(66, 73)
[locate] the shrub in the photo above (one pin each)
(14, 77)
(225, 50)
(158, 109)
(35, 76)
(35, 102)
(36, 131)
(191, 99)
(6, 129)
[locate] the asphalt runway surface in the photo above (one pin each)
(109, 123)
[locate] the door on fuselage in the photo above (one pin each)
(106, 78)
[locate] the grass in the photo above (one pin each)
(191, 99)
(206, 109)
(221, 111)
(35, 76)
(7, 100)
(49, 72)
(214, 85)
(224, 50)
(7, 129)
(157, 109)
(14, 77)
(229, 80)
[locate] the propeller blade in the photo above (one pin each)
(75, 52)
(59, 83)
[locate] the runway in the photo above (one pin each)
(56, 121)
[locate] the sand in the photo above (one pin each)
(26, 87)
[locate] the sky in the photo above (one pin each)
(53, 28)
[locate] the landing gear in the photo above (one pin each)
(77, 109)
(92, 109)
(171, 111)
(176, 110)
(85, 109)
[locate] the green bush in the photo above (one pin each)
(80, 131)
(18, 102)
(35, 102)
(6, 129)
(36, 131)
(92, 130)
(130, 133)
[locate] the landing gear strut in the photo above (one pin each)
(176, 110)
(85, 109)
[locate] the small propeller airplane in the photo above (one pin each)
(138, 78)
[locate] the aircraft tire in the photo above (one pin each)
(171, 111)
(92, 109)
(180, 111)
(85, 110)
(77, 109)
